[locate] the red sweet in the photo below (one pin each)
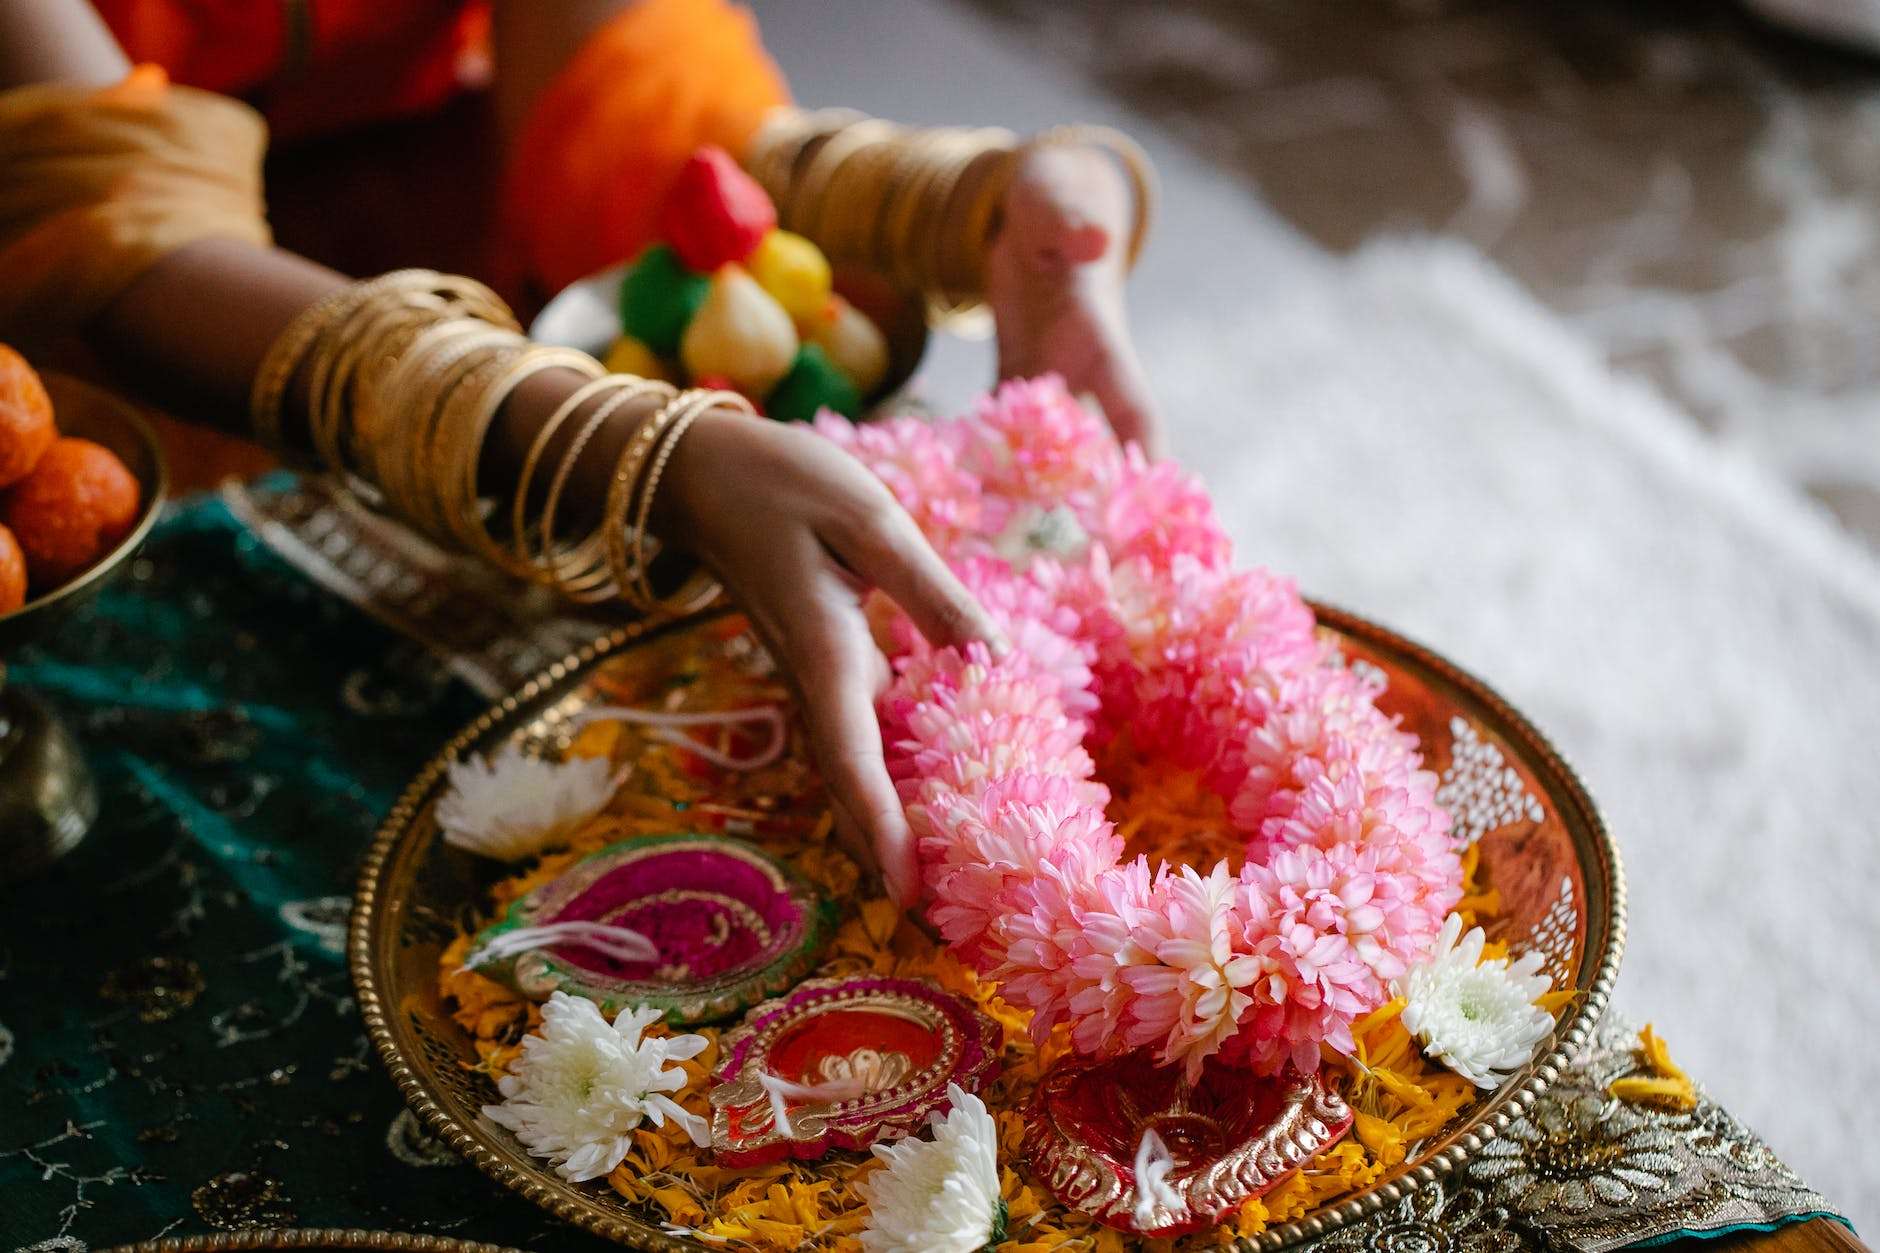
(77, 503)
(12, 573)
(715, 213)
(26, 429)
(719, 383)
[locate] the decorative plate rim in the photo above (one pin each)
(1508, 1102)
(311, 1238)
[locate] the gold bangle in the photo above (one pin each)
(433, 501)
(586, 561)
(620, 497)
(459, 470)
(268, 391)
(545, 558)
(403, 408)
(643, 595)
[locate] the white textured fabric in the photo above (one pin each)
(1414, 438)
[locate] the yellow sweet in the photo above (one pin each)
(740, 333)
(853, 344)
(794, 271)
(627, 355)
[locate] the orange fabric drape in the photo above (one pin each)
(98, 184)
(605, 141)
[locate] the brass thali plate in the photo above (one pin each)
(1543, 845)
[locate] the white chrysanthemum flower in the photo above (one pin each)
(515, 805)
(939, 1195)
(1476, 1017)
(581, 1086)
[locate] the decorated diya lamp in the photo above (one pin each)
(1233, 1136)
(730, 925)
(881, 1050)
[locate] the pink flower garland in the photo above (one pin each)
(1115, 581)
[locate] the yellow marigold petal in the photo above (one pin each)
(1665, 1092)
(1552, 1001)
(1380, 1137)
(1384, 1013)
(1658, 1055)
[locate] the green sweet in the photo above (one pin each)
(658, 296)
(813, 383)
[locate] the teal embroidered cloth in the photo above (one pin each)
(179, 1049)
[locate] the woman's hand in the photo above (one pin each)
(797, 530)
(1054, 280)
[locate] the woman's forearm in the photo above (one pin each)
(192, 331)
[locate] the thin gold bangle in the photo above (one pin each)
(269, 390)
(429, 446)
(545, 558)
(460, 471)
(413, 393)
(621, 495)
(587, 559)
(701, 403)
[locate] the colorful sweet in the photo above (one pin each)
(658, 296)
(729, 926)
(12, 572)
(72, 508)
(715, 214)
(739, 333)
(844, 1062)
(627, 355)
(795, 273)
(728, 297)
(1115, 582)
(1138, 1147)
(813, 384)
(26, 428)
(853, 344)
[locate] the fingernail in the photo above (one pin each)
(999, 645)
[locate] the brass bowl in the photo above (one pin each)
(1543, 845)
(91, 413)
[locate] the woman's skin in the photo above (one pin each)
(796, 529)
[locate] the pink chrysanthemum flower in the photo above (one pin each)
(1114, 580)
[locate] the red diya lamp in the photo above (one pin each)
(882, 1050)
(1233, 1136)
(731, 925)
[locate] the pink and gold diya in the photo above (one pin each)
(731, 925)
(1233, 1136)
(844, 1063)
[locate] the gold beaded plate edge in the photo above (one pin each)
(1543, 845)
(310, 1238)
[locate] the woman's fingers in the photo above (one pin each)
(883, 548)
(838, 671)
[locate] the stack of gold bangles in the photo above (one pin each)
(405, 376)
(918, 205)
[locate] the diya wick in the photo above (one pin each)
(668, 727)
(623, 944)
